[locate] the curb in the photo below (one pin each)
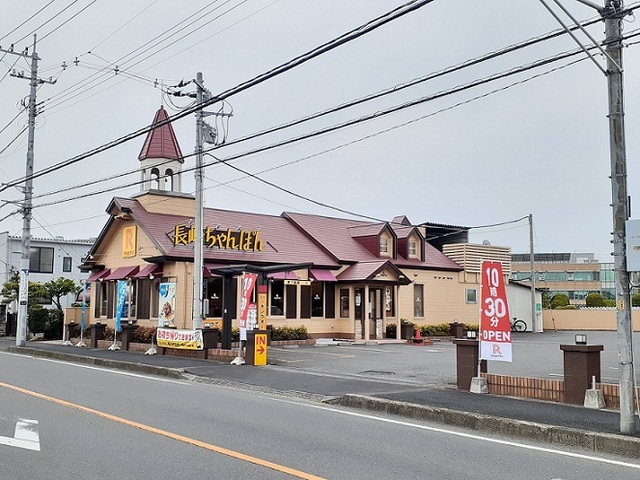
(590, 441)
(102, 362)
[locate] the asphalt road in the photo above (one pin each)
(96, 423)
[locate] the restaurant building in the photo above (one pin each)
(340, 278)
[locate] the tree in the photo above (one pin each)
(54, 290)
(11, 289)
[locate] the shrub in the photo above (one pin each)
(289, 333)
(595, 300)
(439, 330)
(390, 330)
(635, 300)
(47, 322)
(143, 334)
(559, 300)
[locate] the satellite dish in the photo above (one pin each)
(486, 242)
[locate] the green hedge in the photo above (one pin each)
(145, 334)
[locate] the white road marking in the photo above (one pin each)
(101, 369)
(26, 436)
(466, 435)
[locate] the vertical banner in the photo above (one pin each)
(248, 282)
(122, 298)
(495, 326)
(84, 307)
(167, 304)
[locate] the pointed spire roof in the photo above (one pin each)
(161, 142)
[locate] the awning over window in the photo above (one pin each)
(95, 276)
(322, 275)
(283, 276)
(149, 271)
(121, 273)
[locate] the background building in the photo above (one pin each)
(50, 258)
(574, 274)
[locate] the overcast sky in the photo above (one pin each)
(536, 142)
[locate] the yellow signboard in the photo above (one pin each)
(129, 242)
(260, 349)
(262, 307)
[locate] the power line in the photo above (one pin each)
(322, 49)
(370, 117)
(48, 21)
(24, 22)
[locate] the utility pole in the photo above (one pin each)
(613, 14)
(536, 323)
(198, 263)
(23, 291)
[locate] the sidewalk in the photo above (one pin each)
(595, 430)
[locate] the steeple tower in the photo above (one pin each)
(161, 158)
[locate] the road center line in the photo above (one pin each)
(164, 433)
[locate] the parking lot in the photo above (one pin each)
(535, 355)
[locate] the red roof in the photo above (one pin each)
(336, 236)
(161, 142)
(292, 238)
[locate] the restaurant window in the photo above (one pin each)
(472, 295)
(389, 304)
(143, 305)
(277, 298)
(213, 294)
(129, 307)
(384, 245)
(418, 300)
(104, 297)
(317, 299)
(66, 264)
(41, 259)
(344, 303)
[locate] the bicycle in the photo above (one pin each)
(518, 325)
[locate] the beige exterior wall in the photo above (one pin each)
(586, 319)
(167, 203)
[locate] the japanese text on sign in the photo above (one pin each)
(495, 326)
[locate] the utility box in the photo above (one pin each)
(256, 347)
(581, 363)
(467, 356)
